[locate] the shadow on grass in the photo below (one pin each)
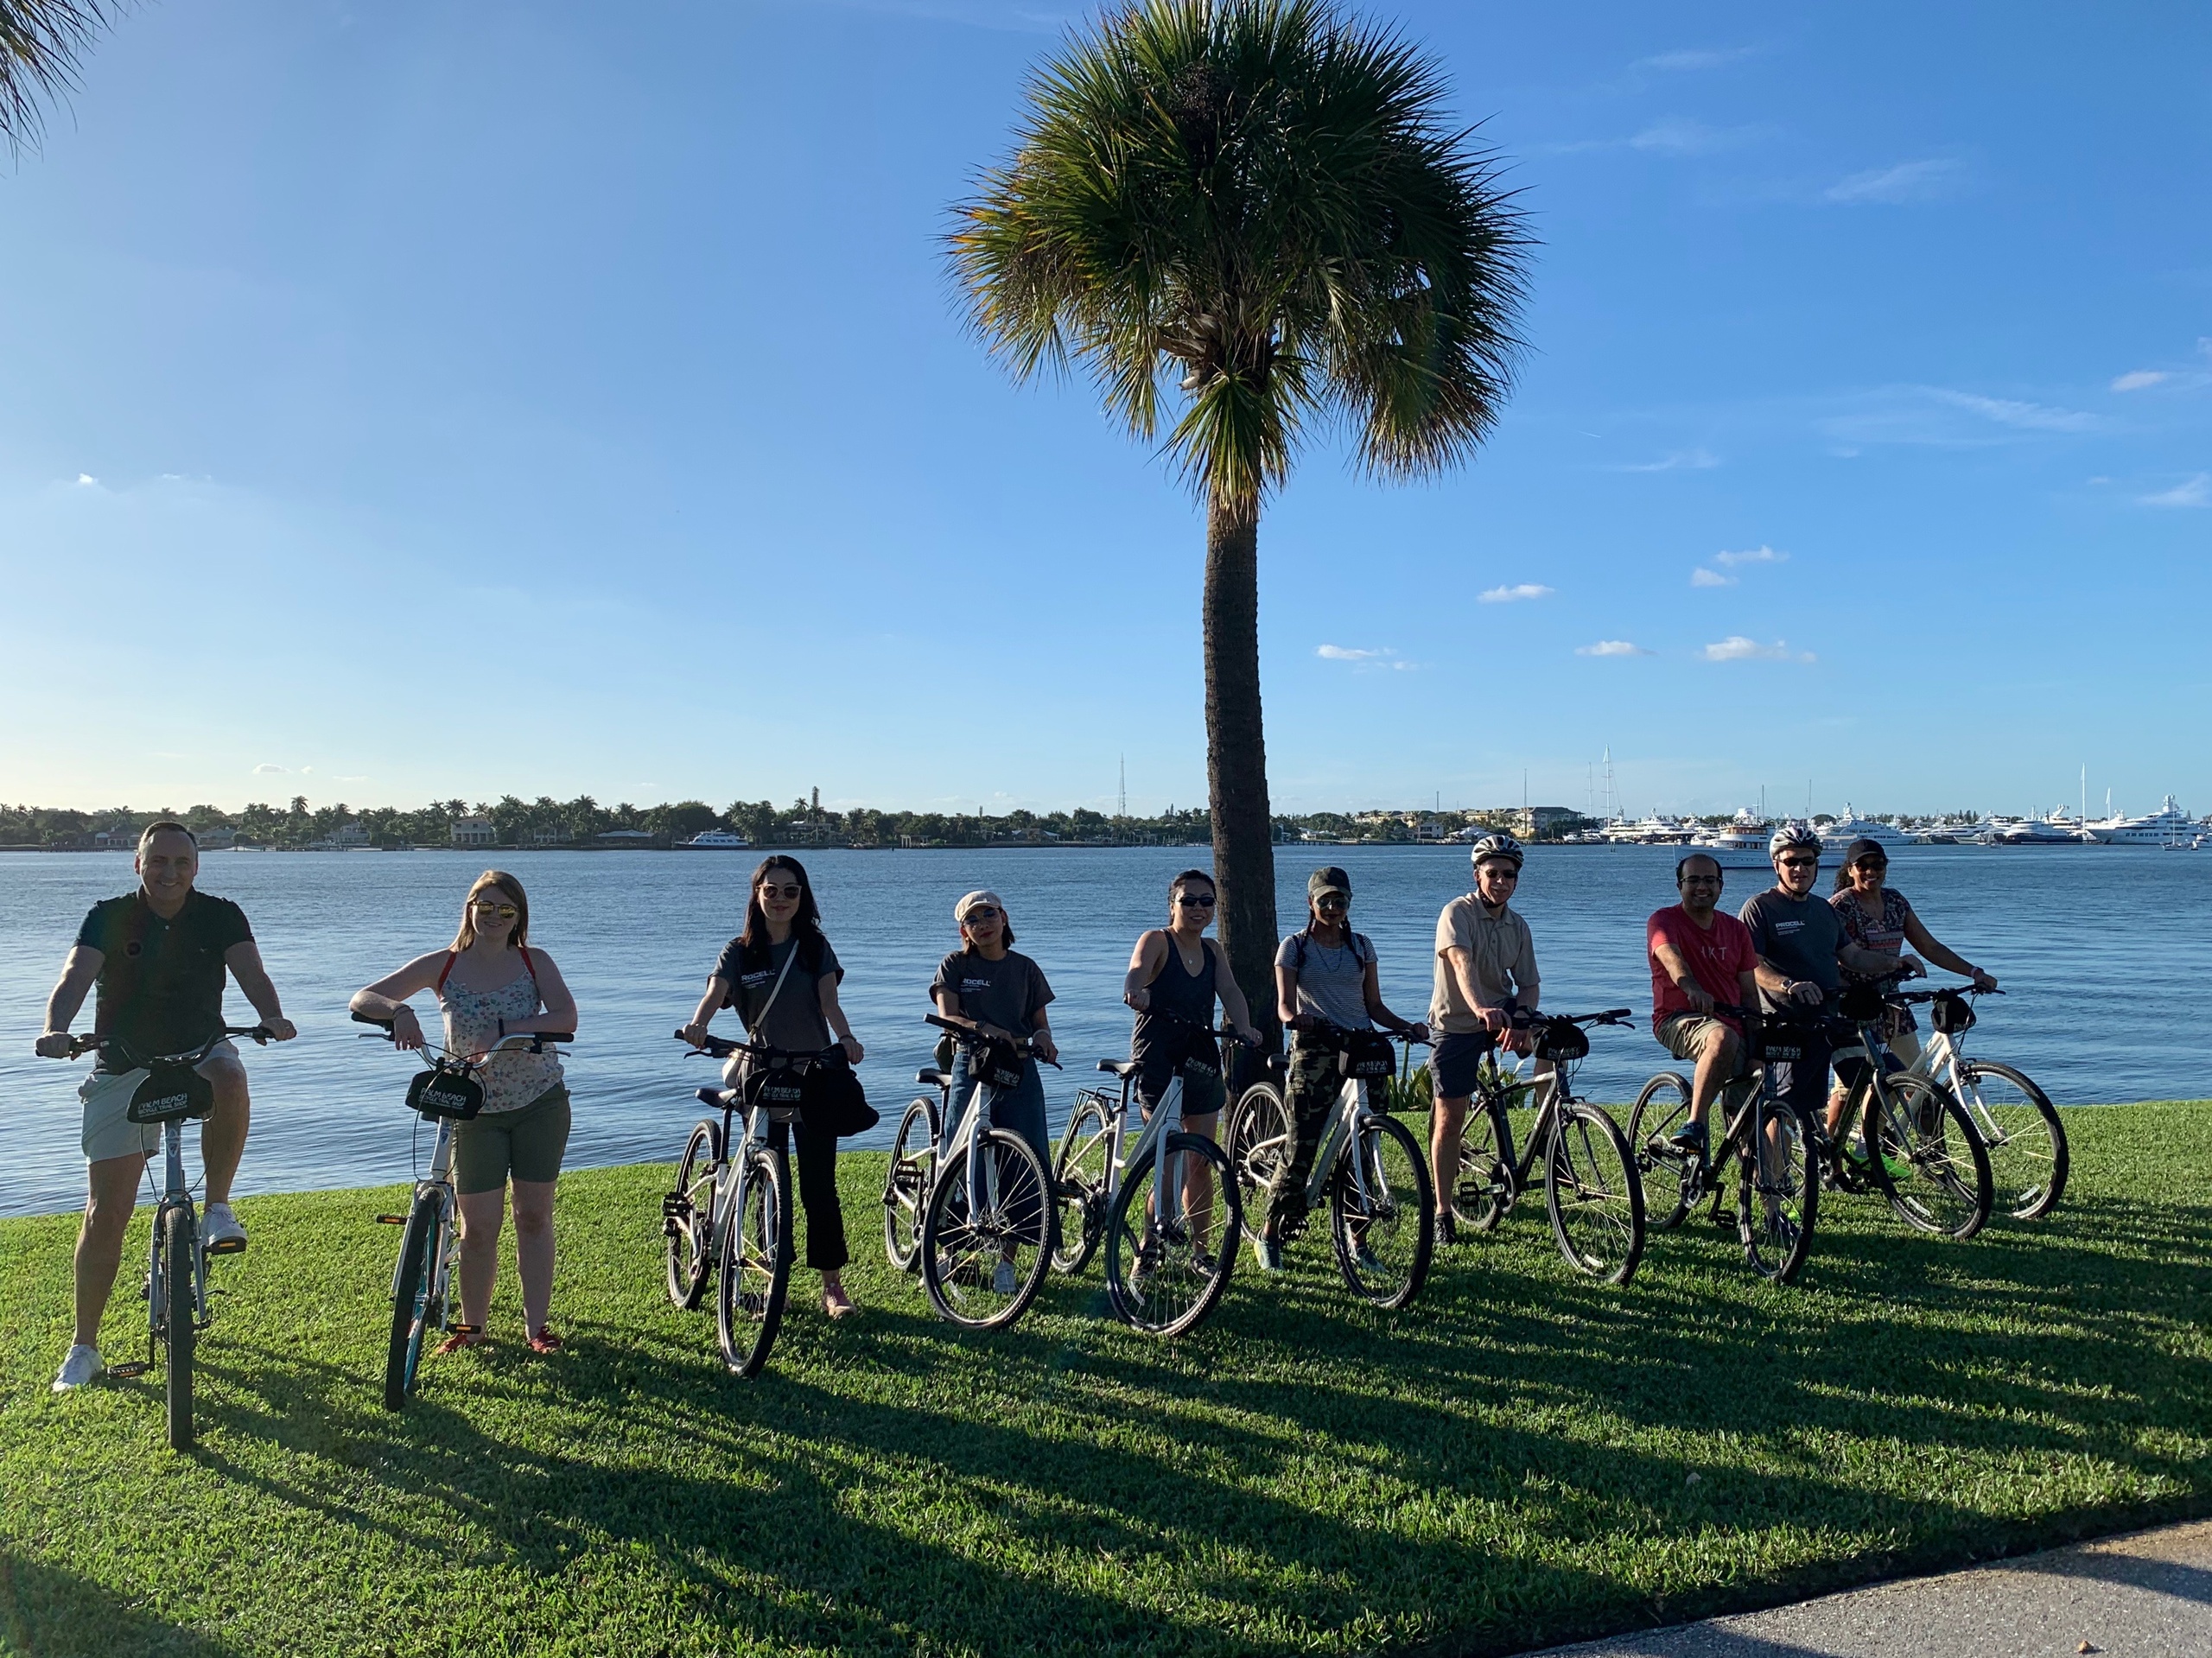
(46, 1611)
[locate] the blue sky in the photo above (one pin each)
(556, 399)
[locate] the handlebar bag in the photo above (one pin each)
(834, 1098)
(999, 1063)
(1862, 1004)
(1562, 1039)
(1200, 1059)
(171, 1092)
(445, 1094)
(1367, 1054)
(1951, 1014)
(780, 1086)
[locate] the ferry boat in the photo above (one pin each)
(1851, 827)
(1746, 832)
(714, 841)
(2167, 826)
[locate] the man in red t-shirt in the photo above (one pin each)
(1701, 956)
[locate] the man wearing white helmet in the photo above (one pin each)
(1486, 968)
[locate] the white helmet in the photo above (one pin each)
(1795, 833)
(1497, 846)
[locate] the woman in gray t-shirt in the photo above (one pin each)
(781, 975)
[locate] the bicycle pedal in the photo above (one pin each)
(227, 1246)
(126, 1372)
(391, 1220)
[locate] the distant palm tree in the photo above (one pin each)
(39, 44)
(1262, 202)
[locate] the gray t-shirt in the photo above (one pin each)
(1008, 993)
(1799, 935)
(1332, 983)
(794, 1018)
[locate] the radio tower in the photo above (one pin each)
(1121, 801)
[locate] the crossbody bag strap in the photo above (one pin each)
(776, 990)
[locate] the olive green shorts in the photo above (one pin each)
(525, 1144)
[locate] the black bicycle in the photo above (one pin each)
(173, 1094)
(1768, 1138)
(1593, 1191)
(424, 1282)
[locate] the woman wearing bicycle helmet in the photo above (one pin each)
(492, 984)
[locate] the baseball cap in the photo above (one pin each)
(972, 900)
(1331, 879)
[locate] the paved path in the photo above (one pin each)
(2148, 1595)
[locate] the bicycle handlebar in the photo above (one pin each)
(89, 1043)
(1224, 1031)
(974, 1038)
(716, 1047)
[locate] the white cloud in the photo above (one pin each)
(1755, 556)
(1611, 648)
(2006, 411)
(1678, 136)
(2137, 379)
(1736, 648)
(267, 768)
(1678, 460)
(1701, 577)
(1345, 653)
(1922, 181)
(2194, 492)
(84, 480)
(1697, 58)
(1513, 594)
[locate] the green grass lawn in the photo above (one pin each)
(1520, 1457)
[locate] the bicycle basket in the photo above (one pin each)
(445, 1094)
(1562, 1040)
(1862, 1004)
(171, 1092)
(1951, 1014)
(1368, 1055)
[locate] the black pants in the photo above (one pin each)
(817, 1153)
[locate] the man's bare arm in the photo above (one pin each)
(77, 974)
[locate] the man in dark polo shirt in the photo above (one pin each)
(158, 957)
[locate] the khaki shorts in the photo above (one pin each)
(109, 1132)
(1683, 1035)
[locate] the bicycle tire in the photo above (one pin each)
(1593, 1194)
(2029, 1159)
(906, 1183)
(1669, 1176)
(1079, 1171)
(1946, 1188)
(1485, 1189)
(1259, 1129)
(687, 1241)
(1778, 1195)
(1355, 1222)
(756, 1269)
(179, 1313)
(962, 1254)
(410, 1299)
(1165, 1284)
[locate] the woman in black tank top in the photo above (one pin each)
(1175, 974)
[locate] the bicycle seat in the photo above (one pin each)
(1123, 1068)
(934, 1078)
(720, 1098)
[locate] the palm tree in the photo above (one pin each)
(1261, 202)
(39, 44)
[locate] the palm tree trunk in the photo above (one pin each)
(1236, 755)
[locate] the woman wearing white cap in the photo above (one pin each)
(998, 992)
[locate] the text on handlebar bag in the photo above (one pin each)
(171, 1092)
(445, 1094)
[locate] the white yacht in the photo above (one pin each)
(714, 841)
(2167, 826)
(2057, 829)
(1746, 832)
(1851, 827)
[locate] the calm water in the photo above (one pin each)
(2106, 951)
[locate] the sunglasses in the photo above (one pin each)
(1800, 863)
(1333, 901)
(981, 912)
(769, 889)
(1195, 900)
(1878, 865)
(1491, 872)
(487, 907)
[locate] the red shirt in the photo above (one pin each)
(1716, 956)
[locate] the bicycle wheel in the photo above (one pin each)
(687, 1217)
(906, 1183)
(410, 1299)
(1259, 1132)
(1164, 1274)
(1777, 1200)
(1484, 1190)
(2021, 1130)
(755, 1264)
(178, 1311)
(1669, 1176)
(1594, 1194)
(1383, 1214)
(984, 1255)
(1927, 1161)
(1079, 1180)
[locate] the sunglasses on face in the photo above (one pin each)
(488, 907)
(982, 912)
(1509, 873)
(1332, 902)
(768, 889)
(1801, 863)
(1195, 900)
(1872, 865)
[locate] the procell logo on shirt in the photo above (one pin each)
(1783, 929)
(966, 985)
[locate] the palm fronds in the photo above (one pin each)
(39, 44)
(1253, 210)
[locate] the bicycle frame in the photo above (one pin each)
(1339, 1132)
(177, 1193)
(982, 1173)
(1121, 1155)
(1495, 1085)
(438, 1182)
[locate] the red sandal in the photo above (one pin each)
(458, 1336)
(544, 1340)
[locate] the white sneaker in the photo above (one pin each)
(1004, 1281)
(221, 1229)
(82, 1365)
